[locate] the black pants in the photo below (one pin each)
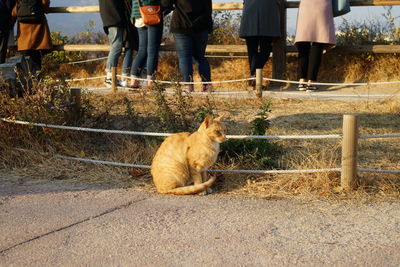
(258, 50)
(4, 33)
(309, 60)
(36, 56)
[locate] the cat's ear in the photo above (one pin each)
(207, 120)
(219, 118)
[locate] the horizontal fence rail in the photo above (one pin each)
(223, 6)
(227, 49)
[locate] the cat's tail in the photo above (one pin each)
(192, 189)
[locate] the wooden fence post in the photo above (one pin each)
(75, 99)
(114, 79)
(278, 49)
(259, 82)
(349, 152)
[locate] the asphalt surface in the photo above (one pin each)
(78, 225)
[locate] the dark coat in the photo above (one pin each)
(34, 36)
(6, 7)
(130, 38)
(260, 18)
(112, 13)
(190, 16)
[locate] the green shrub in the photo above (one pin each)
(255, 153)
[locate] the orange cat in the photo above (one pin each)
(184, 158)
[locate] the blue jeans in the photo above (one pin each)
(149, 46)
(127, 62)
(115, 40)
(192, 47)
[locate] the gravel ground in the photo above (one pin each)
(75, 225)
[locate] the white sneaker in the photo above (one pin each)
(108, 82)
(123, 83)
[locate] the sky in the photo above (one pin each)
(69, 24)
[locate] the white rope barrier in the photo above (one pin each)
(84, 129)
(238, 80)
(140, 166)
(379, 136)
(378, 171)
(326, 136)
(332, 84)
(112, 163)
(169, 82)
(166, 134)
(83, 61)
(265, 79)
(217, 170)
(85, 79)
(120, 164)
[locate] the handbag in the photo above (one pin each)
(151, 15)
(340, 7)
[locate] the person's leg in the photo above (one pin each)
(302, 66)
(303, 49)
(184, 49)
(126, 66)
(199, 49)
(36, 58)
(252, 50)
(115, 40)
(127, 62)
(314, 61)
(153, 48)
(4, 33)
(264, 53)
(141, 57)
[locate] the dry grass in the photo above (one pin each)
(289, 116)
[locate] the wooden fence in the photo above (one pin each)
(279, 49)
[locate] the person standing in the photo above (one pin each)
(149, 44)
(33, 33)
(130, 43)
(191, 24)
(114, 24)
(259, 26)
(315, 32)
(6, 7)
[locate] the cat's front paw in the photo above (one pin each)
(203, 193)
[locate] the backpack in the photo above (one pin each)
(30, 11)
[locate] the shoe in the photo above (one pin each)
(108, 82)
(251, 82)
(151, 85)
(134, 83)
(123, 83)
(311, 88)
(302, 87)
(206, 88)
(188, 88)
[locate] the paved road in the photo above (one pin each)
(64, 225)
